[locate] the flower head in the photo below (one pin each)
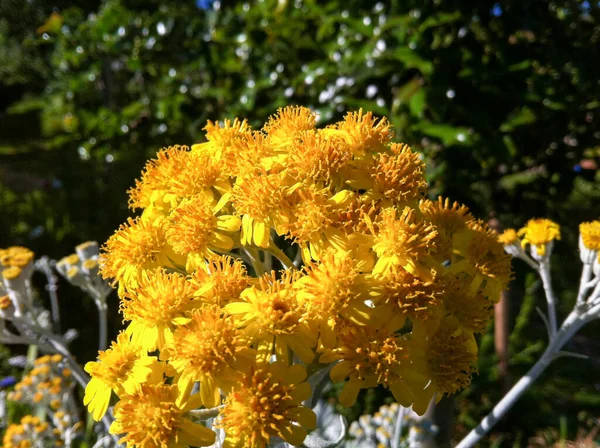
(274, 317)
(207, 349)
(150, 417)
(589, 241)
(220, 280)
(539, 233)
(266, 403)
(156, 306)
(121, 368)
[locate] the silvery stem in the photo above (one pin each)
(570, 326)
(544, 271)
(584, 284)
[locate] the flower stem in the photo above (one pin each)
(281, 256)
(544, 270)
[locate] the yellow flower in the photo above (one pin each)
(156, 306)
(262, 200)
(121, 368)
(220, 280)
(274, 318)
(480, 255)
(195, 229)
(590, 234)
(508, 237)
(207, 349)
(267, 403)
(445, 360)
(318, 158)
(363, 132)
(287, 123)
(411, 296)
(221, 144)
(404, 241)
(151, 418)
(448, 219)
(370, 355)
(398, 177)
(332, 290)
(539, 233)
(473, 311)
(138, 245)
(313, 226)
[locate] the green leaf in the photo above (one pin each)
(518, 118)
(449, 135)
(439, 19)
(417, 103)
(412, 60)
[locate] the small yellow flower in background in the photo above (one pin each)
(590, 234)
(150, 417)
(539, 233)
(120, 368)
(267, 403)
(508, 237)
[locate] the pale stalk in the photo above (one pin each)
(544, 271)
(281, 256)
(103, 324)
(570, 326)
(255, 261)
(586, 274)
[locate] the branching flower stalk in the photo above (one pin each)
(540, 235)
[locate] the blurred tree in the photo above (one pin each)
(501, 98)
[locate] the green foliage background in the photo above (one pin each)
(502, 99)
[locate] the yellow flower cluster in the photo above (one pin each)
(16, 265)
(30, 432)
(48, 386)
(45, 384)
(539, 234)
(389, 286)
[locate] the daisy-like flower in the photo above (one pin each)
(121, 368)
(370, 355)
(410, 295)
(221, 144)
(195, 229)
(448, 219)
(313, 226)
(261, 198)
(511, 242)
(156, 416)
(266, 403)
(479, 254)
(589, 241)
(208, 349)
(332, 290)
(220, 280)
(540, 234)
(137, 246)
(274, 318)
(472, 310)
(444, 359)
(404, 241)
(397, 177)
(363, 132)
(287, 123)
(156, 306)
(318, 158)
